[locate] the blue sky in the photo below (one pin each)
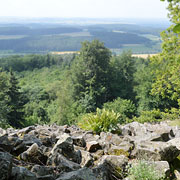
(84, 8)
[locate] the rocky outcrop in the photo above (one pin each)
(69, 153)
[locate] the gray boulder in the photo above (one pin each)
(5, 165)
(21, 173)
(157, 151)
(82, 174)
(113, 165)
(59, 160)
(34, 155)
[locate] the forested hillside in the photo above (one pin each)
(43, 39)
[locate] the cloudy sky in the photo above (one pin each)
(84, 8)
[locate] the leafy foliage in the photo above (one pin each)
(142, 170)
(121, 82)
(101, 121)
(149, 116)
(90, 73)
(123, 106)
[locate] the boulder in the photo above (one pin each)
(24, 131)
(87, 159)
(65, 147)
(21, 173)
(2, 132)
(59, 160)
(34, 155)
(93, 146)
(82, 174)
(79, 141)
(114, 165)
(5, 165)
(29, 139)
(47, 177)
(43, 170)
(157, 151)
(175, 142)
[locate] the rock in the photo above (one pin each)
(5, 165)
(5, 144)
(2, 132)
(34, 155)
(92, 146)
(47, 177)
(44, 134)
(134, 129)
(98, 154)
(24, 131)
(114, 165)
(65, 147)
(175, 142)
(42, 170)
(28, 140)
(87, 159)
(21, 173)
(177, 174)
(64, 144)
(110, 138)
(79, 141)
(118, 150)
(63, 163)
(89, 136)
(162, 167)
(82, 174)
(157, 151)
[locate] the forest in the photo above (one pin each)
(46, 38)
(93, 89)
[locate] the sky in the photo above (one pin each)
(84, 8)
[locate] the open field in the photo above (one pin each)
(145, 56)
(65, 52)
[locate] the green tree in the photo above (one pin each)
(90, 74)
(167, 80)
(15, 103)
(3, 99)
(122, 70)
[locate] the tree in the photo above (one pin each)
(167, 79)
(122, 70)
(90, 74)
(15, 103)
(3, 99)
(174, 14)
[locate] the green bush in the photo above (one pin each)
(123, 106)
(101, 121)
(149, 116)
(144, 171)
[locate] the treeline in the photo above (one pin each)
(68, 43)
(27, 31)
(31, 62)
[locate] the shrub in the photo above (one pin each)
(149, 116)
(144, 171)
(123, 106)
(101, 121)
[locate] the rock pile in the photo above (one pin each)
(69, 153)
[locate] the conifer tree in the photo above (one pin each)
(15, 103)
